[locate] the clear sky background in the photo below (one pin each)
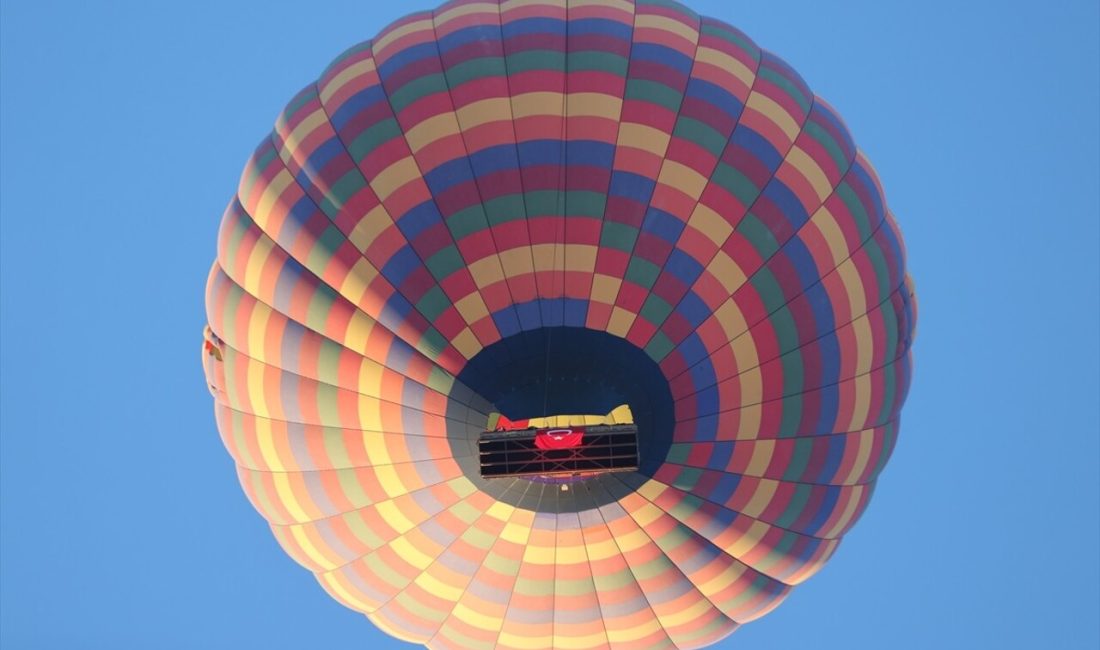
(124, 127)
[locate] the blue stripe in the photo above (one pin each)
(655, 53)
(528, 26)
(418, 219)
(406, 56)
(401, 265)
(356, 104)
(664, 225)
(469, 35)
(757, 145)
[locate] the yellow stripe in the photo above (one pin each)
(310, 549)
(539, 103)
(809, 168)
(682, 178)
(265, 440)
(633, 541)
(849, 275)
(437, 587)
(395, 518)
(854, 498)
(370, 379)
(285, 493)
(748, 426)
(509, 640)
(767, 107)
(375, 444)
(424, 25)
(431, 130)
(861, 330)
(762, 453)
(358, 331)
(726, 63)
(487, 271)
(644, 137)
(292, 141)
(763, 495)
(686, 615)
(262, 214)
(355, 283)
(863, 452)
(254, 266)
(602, 550)
(834, 237)
(605, 288)
(394, 177)
(472, 308)
(634, 632)
(862, 388)
(711, 224)
(370, 414)
(580, 257)
(466, 10)
(518, 4)
(620, 322)
(466, 343)
(495, 109)
(476, 619)
(516, 262)
(579, 642)
(332, 581)
(656, 21)
(747, 541)
(516, 533)
(723, 580)
(565, 555)
(621, 5)
(368, 228)
(728, 273)
(594, 105)
(731, 319)
(344, 76)
(255, 373)
(257, 330)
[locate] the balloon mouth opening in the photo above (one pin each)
(554, 371)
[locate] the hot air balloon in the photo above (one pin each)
(541, 211)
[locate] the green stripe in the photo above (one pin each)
(822, 135)
(794, 509)
(417, 88)
(733, 181)
(433, 303)
(479, 68)
(374, 137)
(701, 134)
(642, 272)
(582, 203)
(598, 61)
(445, 262)
(800, 459)
(300, 100)
(720, 31)
(659, 347)
(787, 86)
(644, 90)
(619, 236)
(533, 60)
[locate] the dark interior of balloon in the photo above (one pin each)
(569, 370)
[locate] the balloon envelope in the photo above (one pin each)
(537, 208)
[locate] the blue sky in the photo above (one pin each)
(124, 127)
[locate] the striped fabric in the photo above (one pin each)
(489, 169)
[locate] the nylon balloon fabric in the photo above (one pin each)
(537, 208)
